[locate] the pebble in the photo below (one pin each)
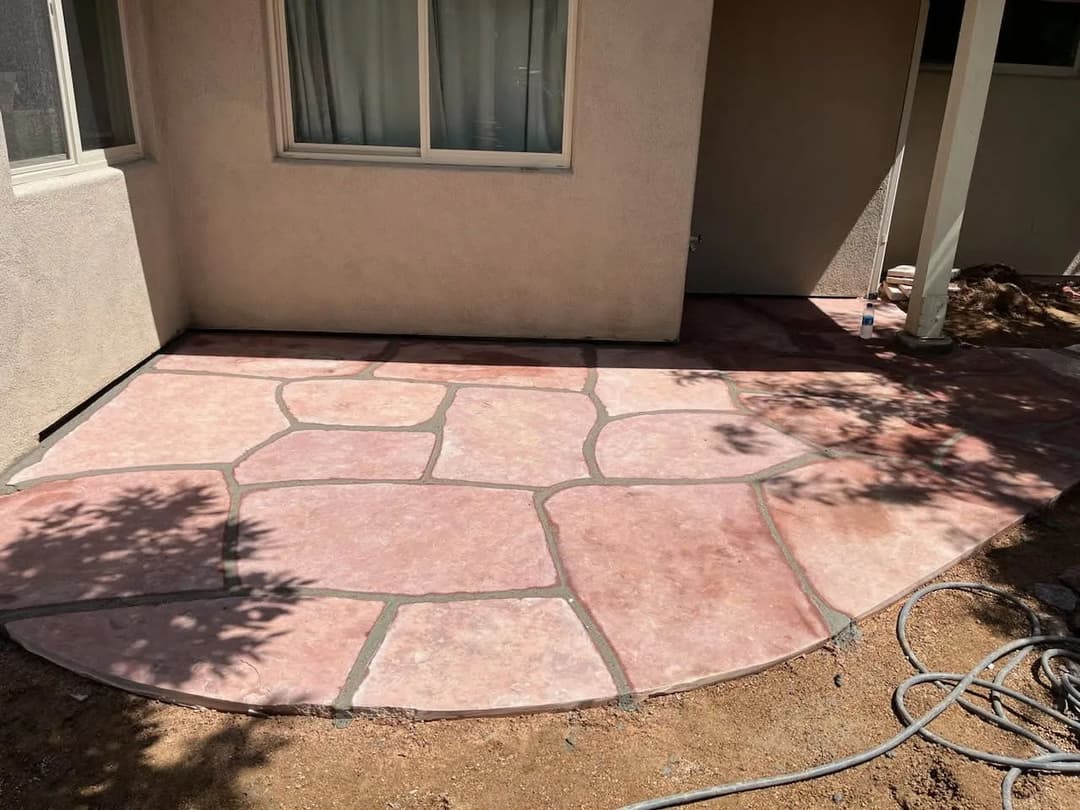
(838, 679)
(837, 797)
(1056, 596)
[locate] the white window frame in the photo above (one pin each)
(289, 147)
(79, 159)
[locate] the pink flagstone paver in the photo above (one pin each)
(691, 445)
(857, 425)
(228, 653)
(836, 382)
(1021, 474)
(636, 380)
(865, 534)
(112, 535)
(261, 355)
(326, 454)
(394, 538)
(1000, 400)
(685, 581)
(487, 656)
(502, 436)
(363, 403)
(490, 364)
(163, 419)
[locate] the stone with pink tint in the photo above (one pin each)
(267, 355)
(686, 582)
(165, 419)
(857, 425)
(393, 538)
(636, 380)
(866, 534)
(363, 403)
(486, 657)
(527, 366)
(227, 653)
(691, 445)
(1024, 475)
(112, 535)
(999, 401)
(327, 454)
(500, 436)
(844, 383)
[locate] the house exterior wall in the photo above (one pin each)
(1024, 204)
(802, 117)
(88, 281)
(595, 252)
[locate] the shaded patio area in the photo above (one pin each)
(305, 523)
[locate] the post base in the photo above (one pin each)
(911, 344)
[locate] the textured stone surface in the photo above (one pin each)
(112, 535)
(637, 380)
(691, 445)
(164, 419)
(486, 656)
(1000, 401)
(263, 355)
(685, 581)
(525, 365)
(843, 384)
(237, 652)
(394, 538)
(867, 534)
(325, 454)
(515, 437)
(363, 403)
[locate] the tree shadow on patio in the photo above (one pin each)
(109, 583)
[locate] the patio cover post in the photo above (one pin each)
(953, 167)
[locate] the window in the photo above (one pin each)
(64, 92)
(481, 82)
(1037, 36)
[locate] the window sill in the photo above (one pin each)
(1007, 69)
(122, 156)
(533, 162)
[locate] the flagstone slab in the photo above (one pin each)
(268, 355)
(1001, 401)
(686, 582)
(692, 445)
(394, 538)
(232, 653)
(502, 436)
(165, 419)
(328, 454)
(112, 535)
(857, 425)
(638, 380)
(866, 534)
(844, 383)
(363, 403)
(486, 657)
(528, 366)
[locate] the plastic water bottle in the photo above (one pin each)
(866, 331)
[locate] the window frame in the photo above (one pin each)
(288, 147)
(79, 159)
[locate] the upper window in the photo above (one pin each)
(1037, 36)
(64, 93)
(484, 82)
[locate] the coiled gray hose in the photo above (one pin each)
(1057, 650)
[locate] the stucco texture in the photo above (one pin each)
(801, 121)
(595, 252)
(1024, 204)
(89, 284)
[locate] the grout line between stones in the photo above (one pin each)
(342, 704)
(437, 424)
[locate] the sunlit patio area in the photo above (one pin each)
(318, 523)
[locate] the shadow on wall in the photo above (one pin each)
(799, 137)
(99, 550)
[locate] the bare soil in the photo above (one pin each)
(68, 743)
(993, 305)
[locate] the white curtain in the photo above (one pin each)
(498, 74)
(354, 71)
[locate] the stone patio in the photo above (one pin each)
(301, 523)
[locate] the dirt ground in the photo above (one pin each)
(67, 743)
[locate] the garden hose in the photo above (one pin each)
(1057, 667)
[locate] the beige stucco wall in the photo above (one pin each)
(88, 282)
(802, 116)
(599, 251)
(1024, 204)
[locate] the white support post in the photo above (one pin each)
(953, 167)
